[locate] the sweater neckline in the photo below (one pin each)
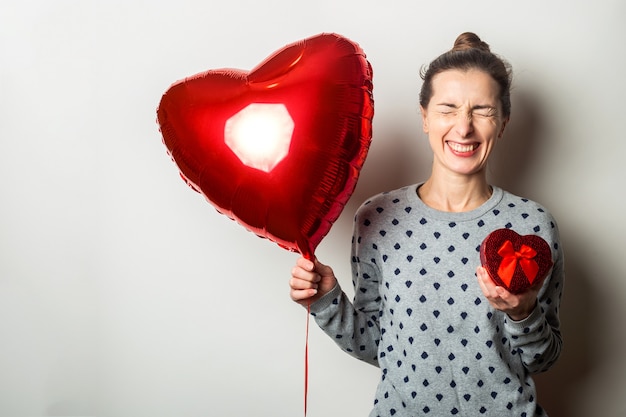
(488, 205)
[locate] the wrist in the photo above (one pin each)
(523, 314)
(518, 317)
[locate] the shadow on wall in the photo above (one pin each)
(514, 163)
(397, 159)
(580, 312)
(518, 154)
(399, 156)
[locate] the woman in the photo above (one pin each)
(447, 339)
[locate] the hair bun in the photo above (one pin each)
(469, 40)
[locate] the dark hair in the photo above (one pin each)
(469, 52)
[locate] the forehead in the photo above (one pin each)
(475, 86)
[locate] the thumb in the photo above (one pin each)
(322, 269)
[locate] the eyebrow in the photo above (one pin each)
(476, 107)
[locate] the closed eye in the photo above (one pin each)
(447, 109)
(484, 111)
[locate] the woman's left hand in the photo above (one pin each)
(517, 306)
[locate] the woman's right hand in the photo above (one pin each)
(310, 281)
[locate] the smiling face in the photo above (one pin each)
(463, 121)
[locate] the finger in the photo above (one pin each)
(493, 292)
(485, 282)
(305, 264)
(305, 275)
(482, 285)
(481, 271)
(502, 293)
(323, 269)
(302, 284)
(300, 295)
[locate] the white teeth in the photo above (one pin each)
(461, 148)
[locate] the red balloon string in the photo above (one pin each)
(308, 254)
(306, 358)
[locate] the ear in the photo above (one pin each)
(504, 123)
(424, 113)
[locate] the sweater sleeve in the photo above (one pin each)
(354, 331)
(537, 339)
(354, 326)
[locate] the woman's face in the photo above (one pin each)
(463, 120)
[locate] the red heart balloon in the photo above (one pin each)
(279, 149)
(514, 261)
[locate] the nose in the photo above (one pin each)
(464, 124)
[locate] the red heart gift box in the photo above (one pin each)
(513, 261)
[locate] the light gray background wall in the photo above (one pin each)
(123, 293)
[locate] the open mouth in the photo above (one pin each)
(459, 148)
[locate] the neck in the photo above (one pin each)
(455, 194)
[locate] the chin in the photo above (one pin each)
(469, 171)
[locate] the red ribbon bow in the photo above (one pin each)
(510, 258)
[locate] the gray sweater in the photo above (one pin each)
(419, 314)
